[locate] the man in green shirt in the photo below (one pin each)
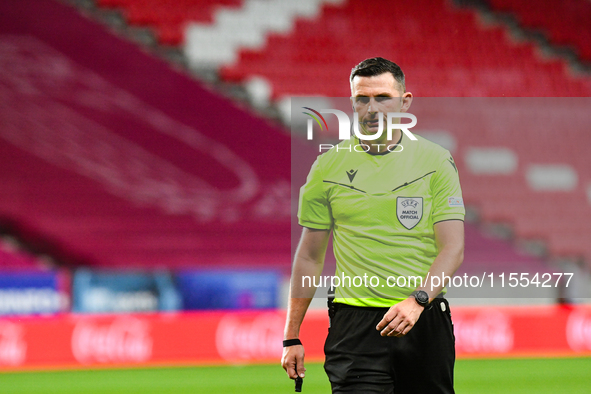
(396, 213)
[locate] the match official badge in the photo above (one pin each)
(409, 211)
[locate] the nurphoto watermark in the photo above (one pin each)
(501, 280)
(393, 122)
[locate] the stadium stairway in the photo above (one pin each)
(101, 168)
(549, 17)
(166, 18)
(461, 57)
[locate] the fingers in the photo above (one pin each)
(383, 323)
(293, 362)
(401, 330)
(388, 318)
(291, 372)
(400, 319)
(290, 367)
(300, 369)
(397, 326)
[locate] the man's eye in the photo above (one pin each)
(362, 100)
(383, 99)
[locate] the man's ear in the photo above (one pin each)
(406, 101)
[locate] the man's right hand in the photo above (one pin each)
(293, 357)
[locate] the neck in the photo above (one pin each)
(380, 146)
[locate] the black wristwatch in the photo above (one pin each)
(421, 297)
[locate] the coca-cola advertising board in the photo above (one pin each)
(83, 341)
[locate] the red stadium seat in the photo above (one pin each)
(565, 23)
(432, 53)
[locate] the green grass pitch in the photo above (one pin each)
(562, 375)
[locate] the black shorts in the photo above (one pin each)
(359, 360)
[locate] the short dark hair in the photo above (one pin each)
(377, 66)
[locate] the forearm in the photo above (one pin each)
(296, 311)
(445, 265)
(449, 236)
(300, 294)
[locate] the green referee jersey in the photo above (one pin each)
(381, 209)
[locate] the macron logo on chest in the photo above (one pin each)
(351, 174)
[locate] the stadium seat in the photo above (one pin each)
(550, 16)
(166, 18)
(12, 259)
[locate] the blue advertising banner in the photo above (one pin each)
(101, 292)
(229, 289)
(31, 292)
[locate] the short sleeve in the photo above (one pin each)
(448, 203)
(314, 208)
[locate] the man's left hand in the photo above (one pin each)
(400, 318)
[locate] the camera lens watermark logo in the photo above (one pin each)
(310, 133)
(393, 122)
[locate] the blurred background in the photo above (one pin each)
(145, 181)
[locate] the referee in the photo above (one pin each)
(395, 215)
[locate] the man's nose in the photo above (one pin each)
(372, 105)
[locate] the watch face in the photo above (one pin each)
(422, 297)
